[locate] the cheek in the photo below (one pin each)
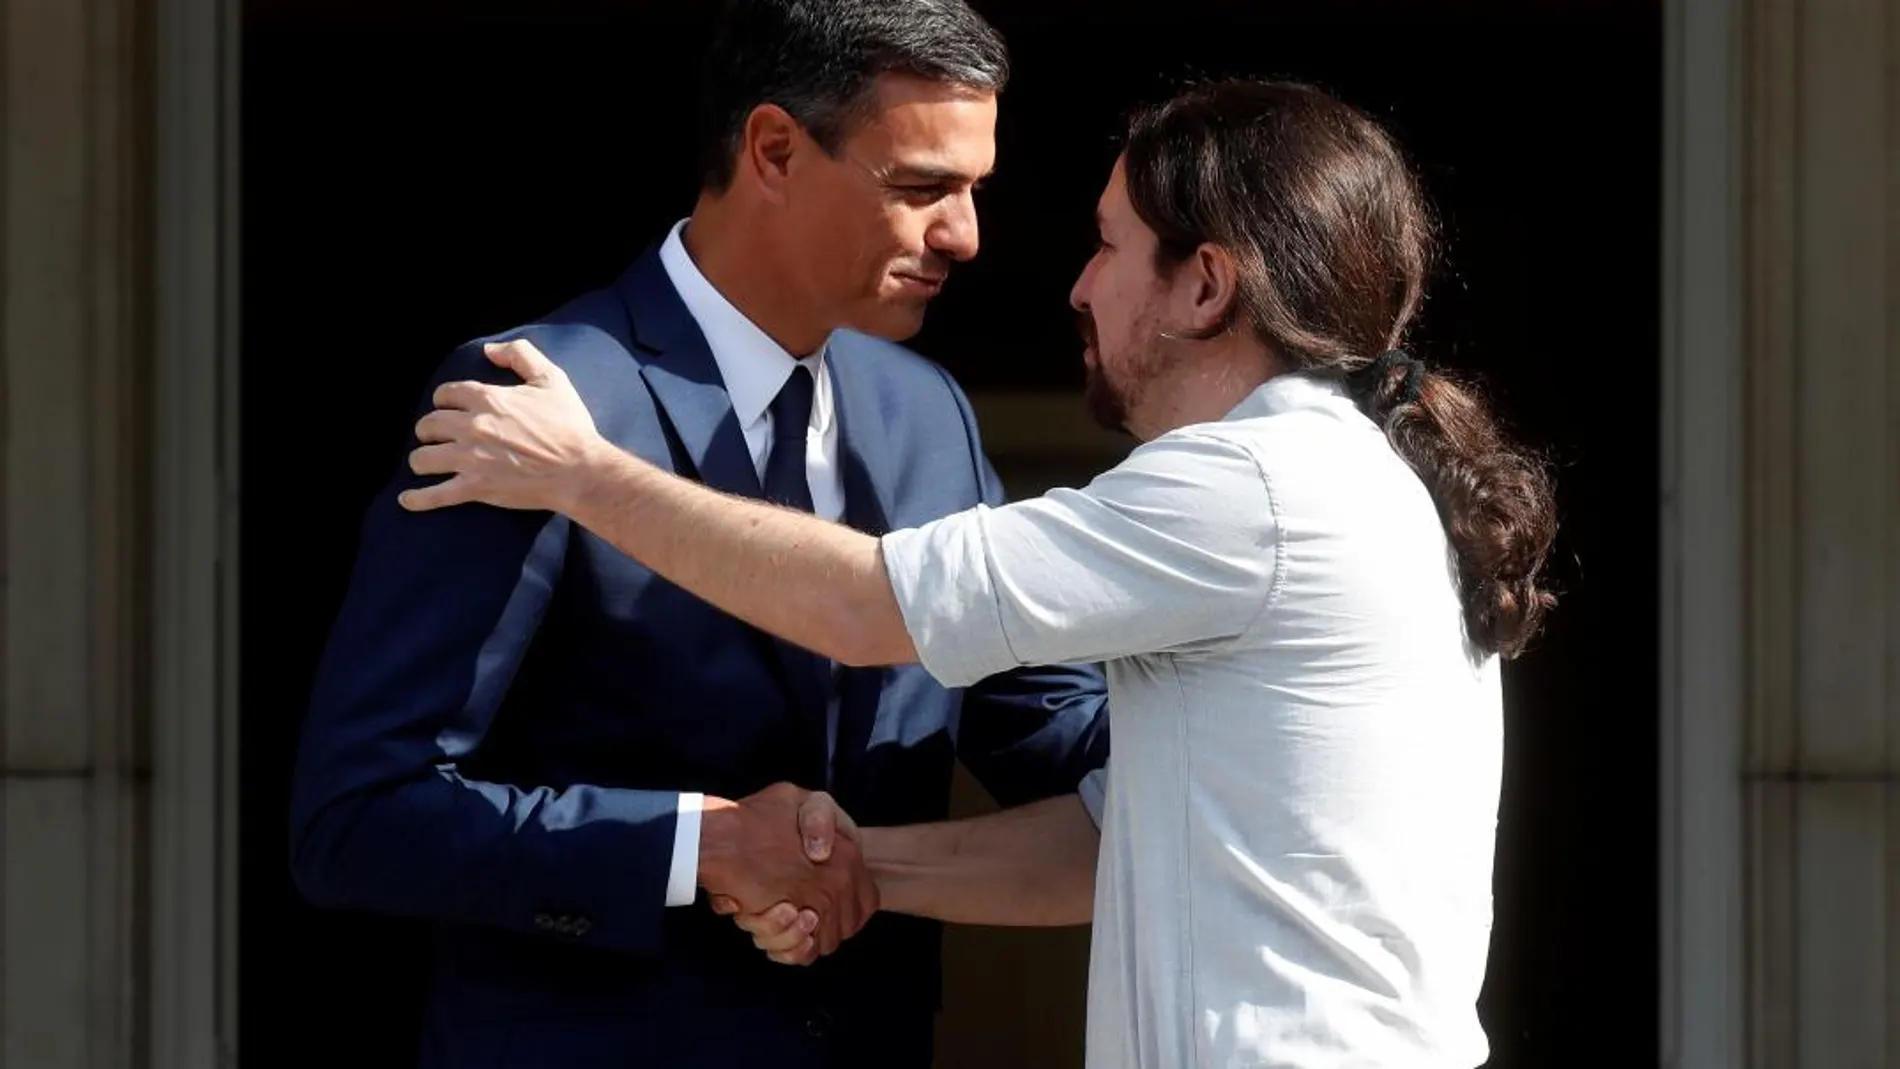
(1111, 304)
(903, 233)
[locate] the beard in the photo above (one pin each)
(1105, 404)
(1108, 395)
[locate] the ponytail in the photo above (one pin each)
(1332, 239)
(1493, 497)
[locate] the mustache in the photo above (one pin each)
(932, 267)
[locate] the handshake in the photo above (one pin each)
(788, 866)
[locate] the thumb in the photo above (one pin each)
(522, 358)
(818, 824)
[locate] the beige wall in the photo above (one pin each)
(1821, 745)
(75, 305)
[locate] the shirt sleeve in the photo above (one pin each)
(1173, 549)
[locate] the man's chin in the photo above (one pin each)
(1104, 406)
(892, 322)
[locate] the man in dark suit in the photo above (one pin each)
(529, 740)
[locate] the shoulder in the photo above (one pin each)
(585, 337)
(895, 371)
(1212, 458)
(1197, 483)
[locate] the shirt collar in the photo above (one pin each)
(753, 366)
(1295, 390)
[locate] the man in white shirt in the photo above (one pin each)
(1301, 583)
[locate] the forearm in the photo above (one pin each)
(1029, 866)
(586, 863)
(816, 584)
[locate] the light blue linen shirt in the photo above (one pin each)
(1299, 818)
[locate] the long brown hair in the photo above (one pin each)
(1334, 241)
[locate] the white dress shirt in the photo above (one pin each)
(1299, 816)
(754, 368)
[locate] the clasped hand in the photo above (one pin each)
(787, 865)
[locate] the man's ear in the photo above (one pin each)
(1211, 279)
(767, 149)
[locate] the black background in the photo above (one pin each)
(418, 173)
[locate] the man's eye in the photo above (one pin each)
(923, 194)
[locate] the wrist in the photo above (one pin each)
(719, 820)
(883, 850)
(575, 488)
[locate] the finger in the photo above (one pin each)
(463, 396)
(781, 942)
(829, 936)
(725, 905)
(818, 824)
(457, 491)
(521, 357)
(804, 954)
(867, 902)
(772, 922)
(438, 459)
(782, 939)
(445, 425)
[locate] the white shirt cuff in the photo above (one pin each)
(682, 881)
(1094, 792)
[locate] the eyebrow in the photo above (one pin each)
(934, 175)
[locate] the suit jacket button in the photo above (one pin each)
(818, 1025)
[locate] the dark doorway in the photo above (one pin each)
(416, 173)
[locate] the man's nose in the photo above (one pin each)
(1079, 293)
(955, 232)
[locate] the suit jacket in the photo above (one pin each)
(508, 708)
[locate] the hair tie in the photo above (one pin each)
(1367, 380)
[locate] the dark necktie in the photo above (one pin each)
(786, 483)
(785, 480)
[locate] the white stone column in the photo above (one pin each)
(76, 311)
(1821, 754)
(194, 730)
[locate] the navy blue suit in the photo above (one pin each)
(508, 707)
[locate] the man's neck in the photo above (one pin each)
(725, 248)
(1204, 388)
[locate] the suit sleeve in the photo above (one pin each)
(440, 611)
(1033, 732)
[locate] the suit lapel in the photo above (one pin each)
(867, 463)
(684, 378)
(864, 443)
(680, 370)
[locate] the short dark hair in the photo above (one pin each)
(817, 59)
(1333, 239)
